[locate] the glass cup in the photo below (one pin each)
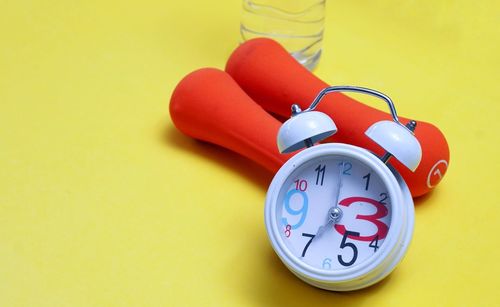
(296, 24)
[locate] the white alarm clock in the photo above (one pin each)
(337, 215)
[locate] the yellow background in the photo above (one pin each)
(104, 203)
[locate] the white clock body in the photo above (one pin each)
(371, 236)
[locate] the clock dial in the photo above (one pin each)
(305, 202)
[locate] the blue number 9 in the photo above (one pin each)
(302, 211)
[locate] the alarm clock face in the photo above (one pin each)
(332, 212)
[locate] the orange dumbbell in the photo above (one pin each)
(208, 105)
(275, 80)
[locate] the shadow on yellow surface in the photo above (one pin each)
(222, 157)
(276, 291)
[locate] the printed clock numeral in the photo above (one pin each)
(374, 244)
(300, 185)
(327, 264)
(367, 177)
(384, 197)
(347, 168)
(311, 236)
(351, 245)
(302, 211)
(288, 231)
(320, 170)
(382, 211)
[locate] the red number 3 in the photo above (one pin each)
(382, 211)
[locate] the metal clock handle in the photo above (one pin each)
(362, 90)
(397, 139)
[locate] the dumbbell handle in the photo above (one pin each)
(275, 80)
(208, 105)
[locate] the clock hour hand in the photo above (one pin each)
(322, 229)
(334, 213)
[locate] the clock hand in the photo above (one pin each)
(339, 186)
(334, 213)
(323, 228)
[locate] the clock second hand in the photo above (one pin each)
(334, 213)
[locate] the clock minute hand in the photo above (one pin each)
(339, 186)
(334, 213)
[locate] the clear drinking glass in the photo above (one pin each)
(295, 24)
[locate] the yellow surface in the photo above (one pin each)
(104, 203)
